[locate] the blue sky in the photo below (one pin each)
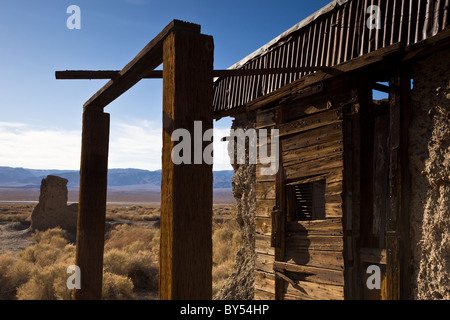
(40, 117)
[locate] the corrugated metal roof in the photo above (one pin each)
(336, 33)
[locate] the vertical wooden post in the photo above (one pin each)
(92, 203)
(186, 189)
(366, 166)
(397, 220)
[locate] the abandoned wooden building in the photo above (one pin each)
(342, 199)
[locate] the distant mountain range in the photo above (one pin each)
(123, 179)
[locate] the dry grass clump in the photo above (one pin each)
(226, 242)
(132, 252)
(133, 213)
(40, 271)
(16, 212)
(130, 262)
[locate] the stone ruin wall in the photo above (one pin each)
(239, 286)
(52, 210)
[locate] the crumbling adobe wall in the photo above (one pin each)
(239, 286)
(52, 210)
(429, 160)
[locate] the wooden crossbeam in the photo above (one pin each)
(320, 76)
(146, 61)
(157, 74)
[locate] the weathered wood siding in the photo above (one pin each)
(265, 201)
(312, 263)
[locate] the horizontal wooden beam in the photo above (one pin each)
(146, 61)
(157, 74)
(323, 75)
(380, 87)
(373, 255)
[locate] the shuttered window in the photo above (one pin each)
(308, 201)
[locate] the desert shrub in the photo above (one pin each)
(133, 213)
(9, 280)
(117, 287)
(130, 252)
(51, 247)
(46, 284)
(226, 242)
(130, 263)
(138, 238)
(44, 266)
(40, 272)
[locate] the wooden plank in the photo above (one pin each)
(314, 167)
(366, 118)
(309, 179)
(334, 176)
(262, 244)
(311, 274)
(332, 227)
(335, 188)
(333, 179)
(314, 291)
(302, 241)
(333, 210)
(316, 120)
(146, 60)
(405, 220)
(265, 282)
(356, 156)
(427, 46)
(263, 177)
(334, 198)
(264, 262)
(380, 178)
(265, 118)
(92, 204)
(263, 295)
(265, 190)
(186, 218)
(373, 255)
(263, 225)
(312, 138)
(157, 74)
(264, 207)
(336, 94)
(393, 268)
(347, 195)
(300, 155)
(279, 223)
(320, 76)
(315, 258)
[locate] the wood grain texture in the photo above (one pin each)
(186, 212)
(150, 57)
(92, 204)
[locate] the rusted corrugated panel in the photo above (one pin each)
(335, 34)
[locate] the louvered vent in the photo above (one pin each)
(303, 201)
(309, 200)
